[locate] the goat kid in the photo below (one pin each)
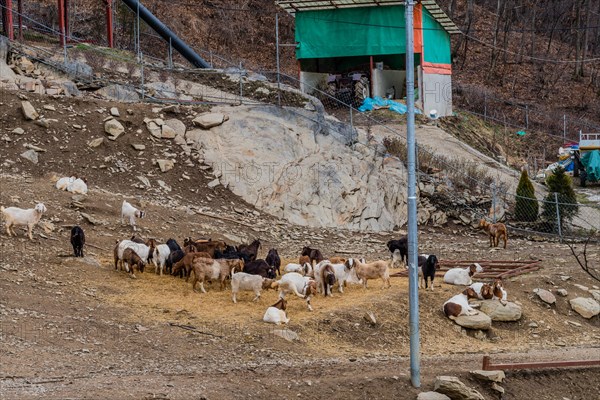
(459, 304)
(402, 246)
(129, 211)
(241, 281)
(77, 241)
(14, 216)
(428, 264)
(276, 313)
(462, 276)
(304, 269)
(373, 270)
(495, 232)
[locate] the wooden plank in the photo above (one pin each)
(488, 366)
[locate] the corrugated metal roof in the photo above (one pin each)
(293, 6)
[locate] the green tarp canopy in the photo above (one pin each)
(591, 161)
(435, 40)
(350, 32)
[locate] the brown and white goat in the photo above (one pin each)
(276, 313)
(459, 304)
(495, 232)
(373, 270)
(209, 269)
(185, 264)
(132, 260)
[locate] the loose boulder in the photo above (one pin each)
(31, 155)
(210, 120)
(165, 165)
(499, 312)
(432, 396)
(452, 387)
(176, 125)
(545, 296)
(585, 307)
(113, 128)
(491, 376)
(29, 111)
(479, 321)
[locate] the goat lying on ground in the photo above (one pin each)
(304, 269)
(462, 276)
(495, 232)
(77, 241)
(428, 264)
(241, 281)
(373, 270)
(459, 304)
(301, 286)
(276, 313)
(494, 291)
(129, 211)
(14, 216)
(402, 246)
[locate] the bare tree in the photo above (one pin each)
(583, 261)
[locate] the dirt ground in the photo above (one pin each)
(76, 328)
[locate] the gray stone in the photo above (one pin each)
(96, 142)
(581, 287)
(154, 129)
(585, 307)
(545, 296)
(70, 89)
(497, 388)
(167, 132)
(165, 165)
(4, 46)
(177, 126)
(194, 135)
(214, 183)
(29, 111)
(79, 69)
(114, 111)
(491, 376)
(562, 292)
(44, 123)
(138, 147)
(533, 324)
(49, 107)
(113, 128)
(432, 396)
(595, 294)
(452, 387)
(498, 312)
(119, 93)
(478, 321)
(209, 120)
(144, 180)
(286, 334)
(18, 131)
(30, 155)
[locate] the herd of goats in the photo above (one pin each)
(216, 261)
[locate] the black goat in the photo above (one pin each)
(402, 245)
(428, 264)
(260, 267)
(250, 250)
(77, 240)
(313, 254)
(273, 260)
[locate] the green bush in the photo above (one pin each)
(526, 205)
(560, 183)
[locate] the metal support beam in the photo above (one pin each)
(413, 291)
(109, 24)
(61, 21)
(20, 18)
(8, 27)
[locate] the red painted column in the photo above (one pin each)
(66, 18)
(9, 20)
(61, 21)
(20, 18)
(109, 24)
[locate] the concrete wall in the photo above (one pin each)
(310, 80)
(435, 93)
(385, 79)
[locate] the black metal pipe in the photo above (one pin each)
(160, 28)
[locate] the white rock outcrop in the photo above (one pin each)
(307, 173)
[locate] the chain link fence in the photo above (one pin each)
(467, 192)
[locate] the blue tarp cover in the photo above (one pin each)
(370, 104)
(591, 161)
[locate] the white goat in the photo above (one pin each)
(241, 281)
(462, 276)
(305, 269)
(301, 286)
(129, 211)
(396, 259)
(276, 313)
(65, 183)
(78, 187)
(459, 304)
(142, 250)
(159, 258)
(18, 216)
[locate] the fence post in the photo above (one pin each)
(241, 85)
(351, 118)
(211, 60)
(277, 55)
(170, 54)
(564, 126)
(142, 72)
(485, 106)
(558, 216)
(527, 116)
